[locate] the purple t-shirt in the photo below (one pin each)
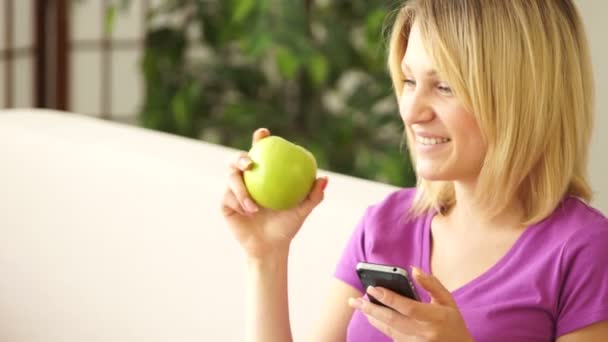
(552, 281)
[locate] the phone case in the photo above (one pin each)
(389, 277)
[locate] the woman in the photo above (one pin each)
(496, 97)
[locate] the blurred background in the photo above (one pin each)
(310, 70)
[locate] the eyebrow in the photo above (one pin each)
(430, 73)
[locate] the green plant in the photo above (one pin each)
(311, 71)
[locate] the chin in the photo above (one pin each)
(432, 177)
(430, 173)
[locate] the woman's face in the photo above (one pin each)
(448, 142)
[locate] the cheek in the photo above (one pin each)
(406, 103)
(470, 137)
(403, 105)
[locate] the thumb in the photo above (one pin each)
(439, 294)
(314, 197)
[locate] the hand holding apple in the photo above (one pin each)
(264, 232)
(282, 173)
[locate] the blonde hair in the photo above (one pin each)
(523, 68)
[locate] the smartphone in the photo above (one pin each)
(389, 277)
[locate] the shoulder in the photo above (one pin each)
(395, 205)
(583, 286)
(579, 222)
(389, 235)
(577, 210)
(582, 231)
(574, 233)
(391, 216)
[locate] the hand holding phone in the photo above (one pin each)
(389, 277)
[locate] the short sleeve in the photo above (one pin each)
(353, 253)
(584, 295)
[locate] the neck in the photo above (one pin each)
(470, 215)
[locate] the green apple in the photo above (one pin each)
(282, 174)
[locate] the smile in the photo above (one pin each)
(432, 141)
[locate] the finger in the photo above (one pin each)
(236, 185)
(389, 321)
(405, 306)
(242, 162)
(260, 134)
(439, 294)
(230, 205)
(315, 196)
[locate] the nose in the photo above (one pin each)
(415, 108)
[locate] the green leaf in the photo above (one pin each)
(288, 63)
(258, 44)
(179, 107)
(318, 68)
(374, 22)
(242, 10)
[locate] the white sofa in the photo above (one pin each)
(113, 233)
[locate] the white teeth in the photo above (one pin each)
(431, 141)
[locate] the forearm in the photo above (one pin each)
(267, 299)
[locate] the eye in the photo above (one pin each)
(408, 82)
(444, 89)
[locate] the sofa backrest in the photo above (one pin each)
(113, 233)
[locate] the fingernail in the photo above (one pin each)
(250, 206)
(376, 293)
(418, 272)
(355, 303)
(244, 162)
(324, 185)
